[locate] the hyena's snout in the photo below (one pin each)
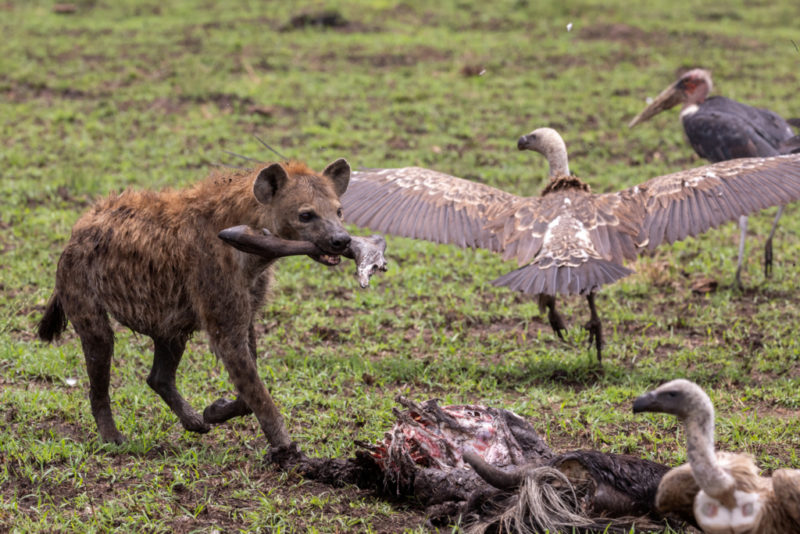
(339, 240)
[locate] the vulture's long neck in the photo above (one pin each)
(711, 478)
(556, 154)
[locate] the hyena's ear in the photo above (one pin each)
(339, 174)
(268, 181)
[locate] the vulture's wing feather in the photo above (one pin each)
(786, 485)
(676, 493)
(425, 204)
(690, 202)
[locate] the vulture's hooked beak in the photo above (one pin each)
(523, 143)
(646, 403)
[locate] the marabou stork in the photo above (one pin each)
(720, 129)
(568, 240)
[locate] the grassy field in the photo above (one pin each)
(149, 94)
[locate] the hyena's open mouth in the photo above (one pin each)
(328, 259)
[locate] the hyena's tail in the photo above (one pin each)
(54, 320)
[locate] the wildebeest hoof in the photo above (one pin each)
(368, 253)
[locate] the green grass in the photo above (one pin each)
(149, 94)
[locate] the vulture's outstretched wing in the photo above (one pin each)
(691, 202)
(786, 485)
(425, 204)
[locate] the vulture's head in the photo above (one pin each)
(549, 143)
(680, 397)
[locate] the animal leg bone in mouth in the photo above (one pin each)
(367, 252)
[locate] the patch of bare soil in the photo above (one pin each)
(17, 91)
(721, 42)
(624, 33)
(329, 19)
(407, 58)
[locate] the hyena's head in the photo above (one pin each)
(305, 205)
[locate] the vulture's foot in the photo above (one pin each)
(768, 258)
(595, 329)
(555, 319)
(557, 323)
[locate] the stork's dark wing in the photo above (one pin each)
(425, 204)
(728, 129)
(723, 135)
(690, 202)
(575, 241)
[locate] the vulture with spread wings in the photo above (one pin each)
(568, 240)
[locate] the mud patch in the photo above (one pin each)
(621, 33)
(317, 19)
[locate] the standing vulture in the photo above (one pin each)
(568, 240)
(720, 129)
(723, 491)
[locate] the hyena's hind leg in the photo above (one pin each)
(97, 340)
(166, 358)
(222, 410)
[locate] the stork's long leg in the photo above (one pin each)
(768, 244)
(742, 236)
(556, 321)
(595, 327)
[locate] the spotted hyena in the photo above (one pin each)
(152, 260)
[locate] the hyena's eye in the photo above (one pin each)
(339, 213)
(306, 216)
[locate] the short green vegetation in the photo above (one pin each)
(149, 94)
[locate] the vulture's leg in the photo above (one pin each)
(594, 327)
(743, 228)
(556, 321)
(768, 244)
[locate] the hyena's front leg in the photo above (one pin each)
(231, 346)
(222, 410)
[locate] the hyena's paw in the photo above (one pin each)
(113, 436)
(194, 423)
(221, 410)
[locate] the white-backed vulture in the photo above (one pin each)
(723, 491)
(568, 240)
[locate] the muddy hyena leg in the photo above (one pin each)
(235, 354)
(97, 340)
(222, 410)
(166, 357)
